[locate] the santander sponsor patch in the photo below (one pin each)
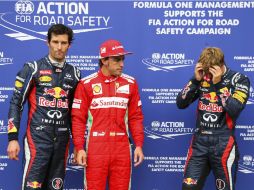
(109, 102)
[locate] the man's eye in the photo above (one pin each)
(117, 59)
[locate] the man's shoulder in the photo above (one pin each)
(37, 63)
(89, 78)
(128, 78)
(236, 75)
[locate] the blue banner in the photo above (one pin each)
(167, 38)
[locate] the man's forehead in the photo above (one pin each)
(62, 37)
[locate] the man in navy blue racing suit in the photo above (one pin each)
(49, 85)
(222, 95)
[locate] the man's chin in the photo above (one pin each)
(117, 74)
(59, 58)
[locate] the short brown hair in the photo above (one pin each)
(100, 61)
(59, 29)
(211, 56)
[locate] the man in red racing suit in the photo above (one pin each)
(222, 95)
(109, 102)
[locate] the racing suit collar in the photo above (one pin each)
(107, 79)
(53, 63)
(225, 72)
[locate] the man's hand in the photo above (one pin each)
(81, 158)
(138, 156)
(217, 73)
(199, 72)
(13, 150)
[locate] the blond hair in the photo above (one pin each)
(211, 56)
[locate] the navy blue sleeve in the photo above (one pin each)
(235, 101)
(189, 94)
(23, 83)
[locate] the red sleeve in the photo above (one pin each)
(135, 117)
(79, 116)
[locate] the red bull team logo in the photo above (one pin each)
(225, 92)
(11, 126)
(190, 181)
(34, 184)
(56, 92)
(211, 107)
(211, 97)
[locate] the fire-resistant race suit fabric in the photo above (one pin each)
(213, 145)
(110, 106)
(50, 92)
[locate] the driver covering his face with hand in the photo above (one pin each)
(222, 95)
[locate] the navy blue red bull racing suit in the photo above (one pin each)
(213, 145)
(50, 92)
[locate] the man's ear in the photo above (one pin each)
(47, 42)
(104, 62)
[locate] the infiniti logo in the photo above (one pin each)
(210, 117)
(54, 114)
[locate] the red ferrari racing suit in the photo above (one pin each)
(110, 106)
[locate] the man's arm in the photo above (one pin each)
(190, 92)
(235, 101)
(23, 84)
(79, 118)
(135, 118)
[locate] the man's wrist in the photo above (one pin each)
(12, 136)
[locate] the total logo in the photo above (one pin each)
(167, 61)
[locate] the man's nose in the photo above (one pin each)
(59, 45)
(121, 63)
